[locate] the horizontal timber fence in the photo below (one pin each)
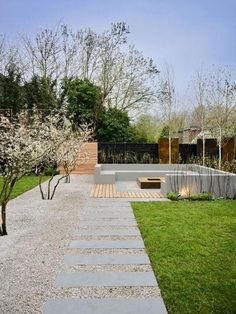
(159, 153)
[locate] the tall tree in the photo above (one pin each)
(114, 127)
(222, 104)
(167, 101)
(83, 100)
(201, 112)
(11, 92)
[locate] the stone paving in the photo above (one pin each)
(109, 225)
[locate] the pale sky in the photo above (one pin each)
(188, 34)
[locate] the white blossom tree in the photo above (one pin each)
(22, 147)
(29, 143)
(67, 145)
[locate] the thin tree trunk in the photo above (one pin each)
(40, 187)
(55, 187)
(203, 149)
(220, 141)
(3, 229)
(49, 187)
(169, 149)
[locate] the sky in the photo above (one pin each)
(190, 35)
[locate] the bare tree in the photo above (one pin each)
(222, 104)
(200, 112)
(123, 73)
(167, 100)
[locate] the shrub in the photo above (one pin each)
(172, 196)
(203, 196)
(51, 171)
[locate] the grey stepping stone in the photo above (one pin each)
(107, 215)
(107, 244)
(107, 210)
(113, 222)
(110, 207)
(109, 232)
(106, 279)
(105, 306)
(106, 259)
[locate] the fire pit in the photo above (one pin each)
(149, 182)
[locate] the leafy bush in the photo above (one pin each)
(203, 196)
(51, 171)
(172, 196)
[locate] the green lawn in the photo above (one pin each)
(25, 184)
(192, 249)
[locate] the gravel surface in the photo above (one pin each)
(31, 256)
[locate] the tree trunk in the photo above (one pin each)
(3, 228)
(220, 141)
(169, 149)
(203, 149)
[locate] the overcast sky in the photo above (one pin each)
(188, 34)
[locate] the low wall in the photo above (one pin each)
(182, 179)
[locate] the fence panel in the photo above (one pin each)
(127, 153)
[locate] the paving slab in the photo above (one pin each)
(106, 279)
(111, 222)
(131, 231)
(105, 306)
(106, 259)
(107, 244)
(106, 215)
(107, 210)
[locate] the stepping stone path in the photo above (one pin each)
(107, 226)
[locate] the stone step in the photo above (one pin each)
(107, 244)
(131, 231)
(106, 259)
(106, 279)
(111, 222)
(104, 208)
(105, 306)
(103, 214)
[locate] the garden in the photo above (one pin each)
(61, 89)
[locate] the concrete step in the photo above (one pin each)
(105, 306)
(106, 279)
(107, 244)
(106, 259)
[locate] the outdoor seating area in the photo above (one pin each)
(179, 178)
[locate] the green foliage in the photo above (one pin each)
(114, 127)
(51, 171)
(147, 129)
(172, 196)
(83, 99)
(40, 92)
(203, 196)
(126, 158)
(213, 162)
(192, 250)
(11, 93)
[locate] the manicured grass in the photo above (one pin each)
(25, 184)
(192, 250)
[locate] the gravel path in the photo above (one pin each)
(32, 255)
